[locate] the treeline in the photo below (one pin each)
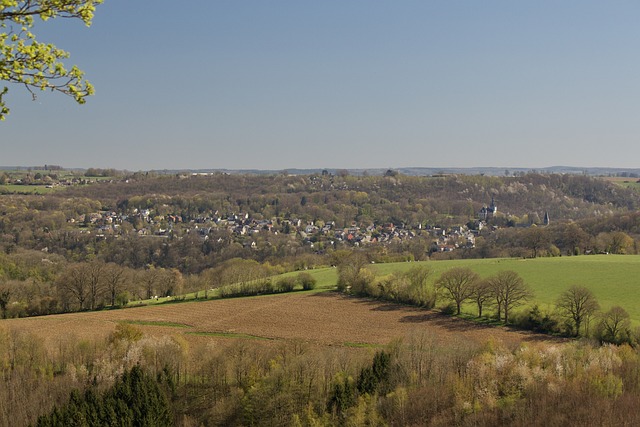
(98, 172)
(31, 285)
(417, 380)
(577, 312)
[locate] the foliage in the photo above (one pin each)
(38, 65)
(346, 393)
(408, 287)
(125, 332)
(416, 381)
(614, 326)
(352, 274)
(285, 284)
(245, 289)
(135, 400)
(538, 321)
(307, 281)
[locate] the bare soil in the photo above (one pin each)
(327, 319)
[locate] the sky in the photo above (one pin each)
(255, 84)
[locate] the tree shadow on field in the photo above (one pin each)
(447, 322)
(417, 315)
(454, 324)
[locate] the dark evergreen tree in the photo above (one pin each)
(135, 400)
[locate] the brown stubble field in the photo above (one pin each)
(323, 319)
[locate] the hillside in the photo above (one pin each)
(397, 198)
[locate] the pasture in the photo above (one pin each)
(614, 279)
(633, 183)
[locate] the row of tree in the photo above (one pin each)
(503, 293)
(31, 285)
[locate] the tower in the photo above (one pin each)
(493, 208)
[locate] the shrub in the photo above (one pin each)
(244, 289)
(363, 283)
(538, 321)
(285, 284)
(307, 281)
(449, 309)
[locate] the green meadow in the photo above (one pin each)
(25, 189)
(614, 279)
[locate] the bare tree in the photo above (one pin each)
(509, 291)
(114, 277)
(170, 282)
(480, 294)
(149, 280)
(577, 304)
(614, 325)
(95, 283)
(459, 283)
(82, 283)
(72, 284)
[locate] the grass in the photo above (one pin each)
(614, 279)
(156, 323)
(26, 189)
(633, 183)
(326, 278)
(361, 345)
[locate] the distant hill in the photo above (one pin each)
(411, 171)
(425, 171)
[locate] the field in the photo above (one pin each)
(26, 189)
(330, 319)
(614, 279)
(324, 319)
(633, 183)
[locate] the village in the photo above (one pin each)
(243, 228)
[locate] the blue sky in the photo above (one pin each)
(340, 84)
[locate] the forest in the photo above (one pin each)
(415, 380)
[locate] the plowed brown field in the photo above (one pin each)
(322, 318)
